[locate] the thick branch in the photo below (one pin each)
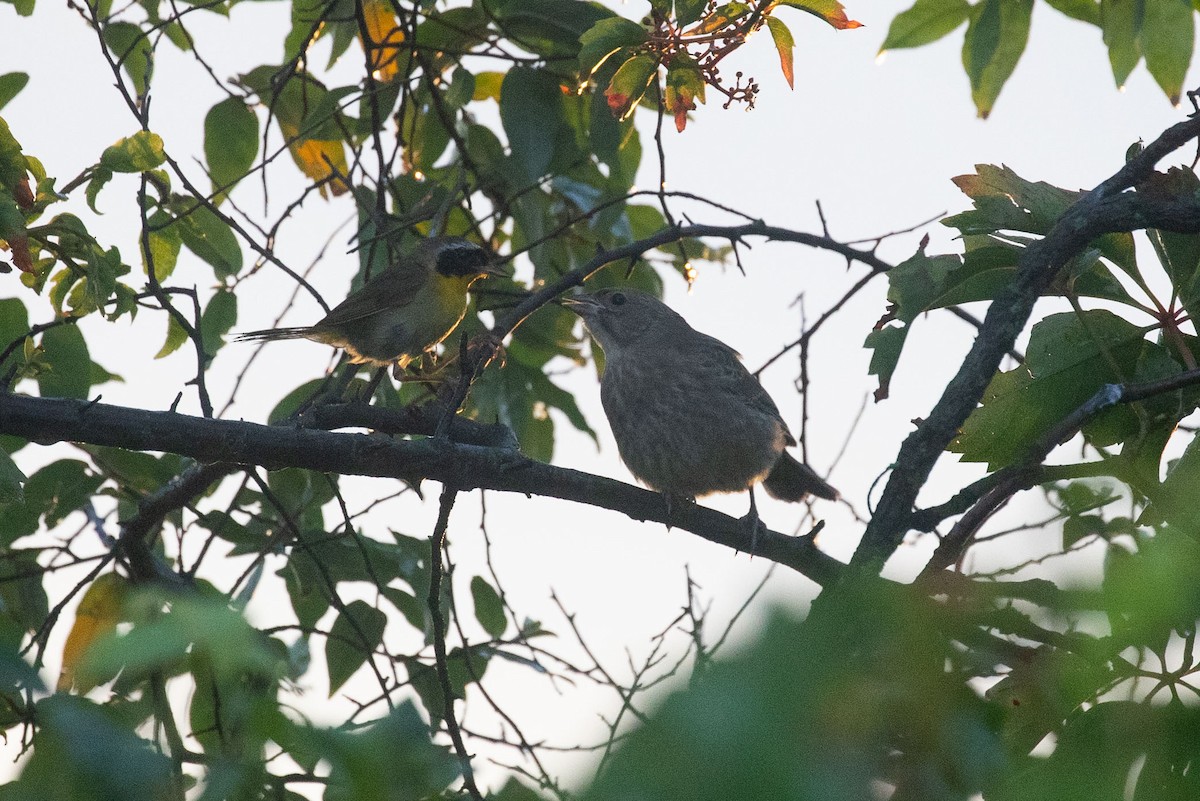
(466, 467)
(1106, 209)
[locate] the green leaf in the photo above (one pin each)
(1068, 359)
(11, 479)
(927, 21)
(219, 317)
(688, 11)
(392, 760)
(14, 325)
(176, 336)
(86, 752)
(629, 84)
(67, 357)
(138, 153)
(24, 7)
(230, 143)
(1082, 10)
(784, 44)
(131, 48)
(996, 38)
(885, 345)
(1168, 37)
(606, 37)
(489, 608)
(549, 28)
(354, 636)
(1121, 21)
(531, 111)
(208, 236)
(164, 242)
(11, 83)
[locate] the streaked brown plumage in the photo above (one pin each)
(689, 419)
(404, 311)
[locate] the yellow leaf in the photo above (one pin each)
(386, 36)
(98, 614)
(318, 159)
(487, 86)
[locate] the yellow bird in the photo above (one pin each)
(403, 312)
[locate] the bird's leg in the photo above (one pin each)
(752, 521)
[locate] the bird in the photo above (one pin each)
(689, 419)
(403, 312)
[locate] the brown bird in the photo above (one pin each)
(689, 419)
(404, 311)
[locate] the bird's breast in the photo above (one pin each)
(678, 433)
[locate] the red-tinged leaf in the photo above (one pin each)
(628, 85)
(784, 43)
(22, 194)
(19, 245)
(831, 11)
(685, 85)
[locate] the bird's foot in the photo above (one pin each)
(486, 347)
(752, 524)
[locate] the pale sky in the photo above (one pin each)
(876, 143)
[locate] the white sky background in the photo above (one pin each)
(877, 144)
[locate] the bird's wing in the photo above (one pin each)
(724, 365)
(394, 288)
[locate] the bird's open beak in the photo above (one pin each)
(580, 304)
(494, 272)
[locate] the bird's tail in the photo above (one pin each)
(300, 332)
(791, 480)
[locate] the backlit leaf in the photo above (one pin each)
(629, 84)
(927, 21)
(354, 636)
(230, 143)
(831, 11)
(1121, 21)
(995, 40)
(98, 613)
(176, 336)
(138, 153)
(489, 609)
(132, 50)
(386, 36)
(604, 39)
(66, 354)
(1168, 37)
(784, 43)
(11, 83)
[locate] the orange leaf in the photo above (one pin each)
(21, 257)
(318, 159)
(22, 194)
(98, 614)
(784, 43)
(617, 102)
(386, 36)
(831, 11)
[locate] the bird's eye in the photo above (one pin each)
(618, 299)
